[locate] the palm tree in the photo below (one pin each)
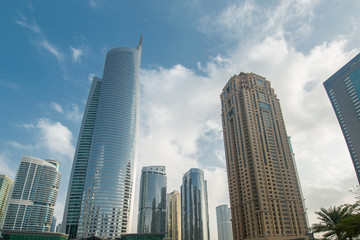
(329, 219)
(350, 226)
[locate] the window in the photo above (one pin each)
(260, 83)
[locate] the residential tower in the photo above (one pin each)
(265, 196)
(32, 202)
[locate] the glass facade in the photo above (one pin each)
(343, 89)
(152, 202)
(80, 163)
(6, 185)
(108, 187)
(31, 206)
(194, 206)
(223, 219)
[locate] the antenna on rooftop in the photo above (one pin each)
(141, 37)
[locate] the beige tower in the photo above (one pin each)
(265, 196)
(6, 185)
(174, 216)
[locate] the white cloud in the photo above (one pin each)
(26, 125)
(26, 24)
(6, 166)
(31, 6)
(56, 138)
(26, 147)
(56, 107)
(96, 3)
(216, 180)
(9, 84)
(42, 40)
(251, 21)
(73, 113)
(51, 49)
(77, 53)
(59, 208)
(91, 77)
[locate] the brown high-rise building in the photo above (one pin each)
(265, 195)
(174, 216)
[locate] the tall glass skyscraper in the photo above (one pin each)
(223, 219)
(31, 206)
(53, 225)
(152, 202)
(101, 186)
(80, 163)
(265, 195)
(343, 89)
(194, 206)
(6, 185)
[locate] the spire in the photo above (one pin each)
(141, 37)
(140, 44)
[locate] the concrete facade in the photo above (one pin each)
(265, 196)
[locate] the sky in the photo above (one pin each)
(50, 51)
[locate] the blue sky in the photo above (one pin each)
(50, 49)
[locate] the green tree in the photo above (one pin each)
(350, 226)
(329, 220)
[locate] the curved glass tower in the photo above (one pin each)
(194, 206)
(152, 202)
(105, 208)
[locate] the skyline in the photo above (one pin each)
(49, 51)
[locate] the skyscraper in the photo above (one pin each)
(265, 196)
(53, 225)
(174, 216)
(152, 202)
(6, 185)
(223, 219)
(194, 206)
(31, 206)
(80, 163)
(343, 89)
(100, 191)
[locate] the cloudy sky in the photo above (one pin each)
(49, 51)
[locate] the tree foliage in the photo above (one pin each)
(350, 226)
(341, 223)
